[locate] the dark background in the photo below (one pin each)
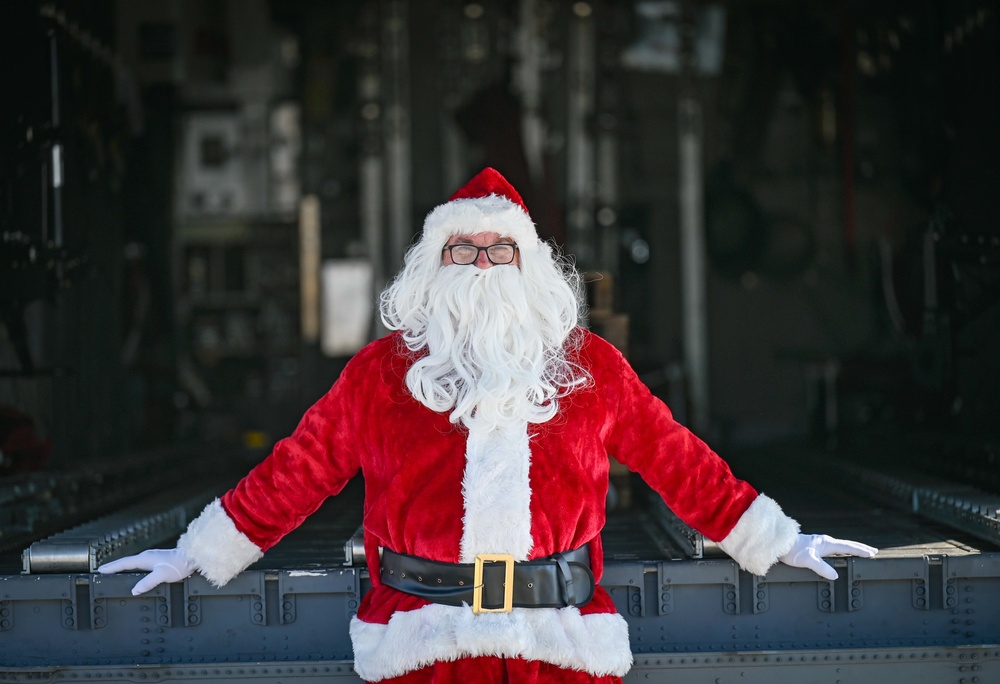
(850, 167)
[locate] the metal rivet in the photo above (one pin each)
(402, 574)
(420, 579)
(461, 583)
(530, 585)
(439, 581)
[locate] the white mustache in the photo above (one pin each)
(487, 361)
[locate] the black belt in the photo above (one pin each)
(563, 579)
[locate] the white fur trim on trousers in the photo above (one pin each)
(597, 643)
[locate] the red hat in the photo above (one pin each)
(487, 203)
(489, 182)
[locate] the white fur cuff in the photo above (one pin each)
(215, 547)
(597, 644)
(762, 535)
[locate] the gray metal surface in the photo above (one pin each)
(960, 506)
(926, 608)
(686, 619)
(695, 606)
(857, 666)
(694, 268)
(839, 666)
(93, 620)
(691, 542)
(130, 530)
(336, 671)
(37, 504)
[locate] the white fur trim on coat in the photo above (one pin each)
(762, 535)
(490, 214)
(497, 494)
(215, 547)
(596, 643)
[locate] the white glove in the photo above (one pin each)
(165, 565)
(809, 550)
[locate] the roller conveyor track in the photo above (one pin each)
(929, 602)
(825, 495)
(900, 512)
(960, 506)
(36, 505)
(128, 531)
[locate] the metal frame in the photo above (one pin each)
(883, 618)
(130, 530)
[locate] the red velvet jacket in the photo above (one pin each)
(414, 462)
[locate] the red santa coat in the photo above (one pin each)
(432, 491)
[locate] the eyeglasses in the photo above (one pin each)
(499, 254)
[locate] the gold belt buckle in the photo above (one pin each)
(508, 585)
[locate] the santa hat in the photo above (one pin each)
(487, 203)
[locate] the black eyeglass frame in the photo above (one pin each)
(479, 250)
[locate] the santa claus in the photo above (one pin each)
(482, 426)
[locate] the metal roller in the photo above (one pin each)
(85, 547)
(962, 507)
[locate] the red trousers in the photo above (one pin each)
(492, 670)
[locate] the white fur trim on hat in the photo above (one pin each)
(762, 535)
(497, 494)
(596, 643)
(489, 214)
(215, 547)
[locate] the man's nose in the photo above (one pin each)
(483, 261)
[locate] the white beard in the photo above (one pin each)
(490, 357)
(493, 342)
(491, 347)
